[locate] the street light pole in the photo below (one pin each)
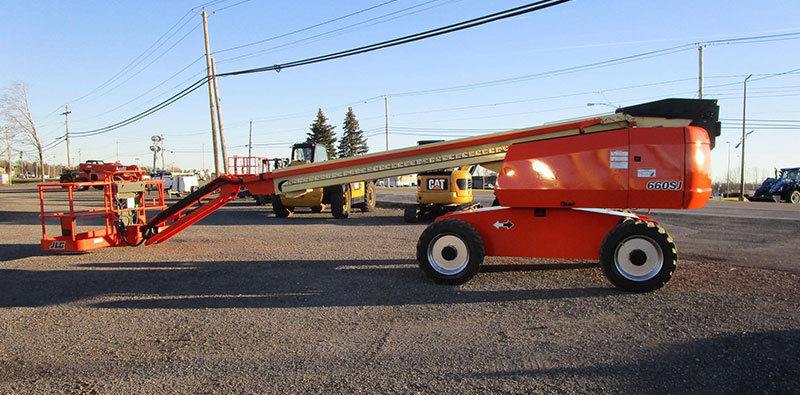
(744, 113)
(728, 174)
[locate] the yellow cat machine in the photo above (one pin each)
(340, 198)
(440, 192)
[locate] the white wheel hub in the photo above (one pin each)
(638, 258)
(448, 254)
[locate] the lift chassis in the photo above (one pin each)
(561, 189)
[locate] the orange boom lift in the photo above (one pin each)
(561, 189)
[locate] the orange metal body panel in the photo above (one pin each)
(565, 172)
(560, 233)
(627, 168)
(698, 168)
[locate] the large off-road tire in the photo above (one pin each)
(340, 201)
(450, 251)
(410, 214)
(279, 209)
(794, 197)
(369, 197)
(638, 256)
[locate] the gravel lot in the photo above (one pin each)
(244, 302)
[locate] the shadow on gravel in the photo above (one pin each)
(20, 218)
(281, 284)
(265, 217)
(9, 252)
(764, 362)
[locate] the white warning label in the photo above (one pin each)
(618, 159)
(646, 173)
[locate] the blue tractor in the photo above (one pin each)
(786, 187)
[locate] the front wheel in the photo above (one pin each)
(369, 197)
(795, 197)
(279, 209)
(638, 256)
(340, 201)
(450, 251)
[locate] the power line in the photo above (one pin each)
(229, 6)
(521, 10)
(539, 5)
(141, 57)
(355, 26)
(408, 39)
(304, 29)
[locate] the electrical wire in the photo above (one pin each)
(517, 11)
(531, 7)
(345, 29)
(146, 53)
(303, 29)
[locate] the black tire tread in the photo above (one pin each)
(646, 228)
(471, 238)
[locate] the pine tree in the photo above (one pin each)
(352, 142)
(322, 134)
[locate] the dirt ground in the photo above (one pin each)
(245, 302)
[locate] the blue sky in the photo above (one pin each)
(66, 50)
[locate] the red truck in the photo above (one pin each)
(96, 170)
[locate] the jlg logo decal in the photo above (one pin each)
(665, 185)
(57, 245)
(437, 184)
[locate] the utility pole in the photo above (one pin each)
(219, 116)
(66, 125)
(117, 150)
(210, 83)
(744, 113)
(250, 143)
(79, 155)
(203, 152)
(700, 80)
(386, 111)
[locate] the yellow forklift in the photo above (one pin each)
(440, 192)
(340, 198)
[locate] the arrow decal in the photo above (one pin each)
(507, 224)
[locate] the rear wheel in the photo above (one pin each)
(450, 251)
(795, 197)
(369, 197)
(638, 256)
(279, 209)
(340, 201)
(410, 214)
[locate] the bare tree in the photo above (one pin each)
(16, 111)
(8, 138)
